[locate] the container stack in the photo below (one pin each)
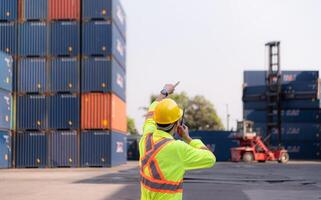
(301, 110)
(31, 84)
(69, 81)
(103, 82)
(5, 109)
(8, 51)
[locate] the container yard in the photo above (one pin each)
(64, 84)
(127, 100)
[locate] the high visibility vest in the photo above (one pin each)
(156, 181)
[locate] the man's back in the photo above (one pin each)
(172, 160)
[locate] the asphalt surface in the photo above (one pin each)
(263, 181)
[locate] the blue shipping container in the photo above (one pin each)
(103, 75)
(5, 149)
(6, 68)
(219, 142)
(301, 104)
(307, 150)
(255, 90)
(8, 10)
(293, 131)
(294, 115)
(5, 109)
(95, 148)
(254, 105)
(118, 149)
(63, 111)
(65, 38)
(31, 112)
(33, 39)
(64, 75)
(32, 75)
(101, 38)
(257, 78)
(8, 37)
(254, 78)
(290, 76)
(301, 87)
(31, 149)
(97, 9)
(34, 9)
(63, 148)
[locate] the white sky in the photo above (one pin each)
(207, 44)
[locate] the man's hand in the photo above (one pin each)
(183, 131)
(170, 88)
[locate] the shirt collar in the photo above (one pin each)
(163, 134)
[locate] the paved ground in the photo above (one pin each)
(269, 181)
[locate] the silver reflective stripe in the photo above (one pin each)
(155, 148)
(154, 171)
(161, 186)
(149, 143)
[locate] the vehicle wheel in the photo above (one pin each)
(262, 161)
(248, 157)
(284, 158)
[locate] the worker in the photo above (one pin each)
(163, 160)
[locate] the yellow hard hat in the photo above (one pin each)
(167, 112)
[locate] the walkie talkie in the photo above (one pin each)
(183, 121)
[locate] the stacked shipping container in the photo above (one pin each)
(301, 110)
(5, 109)
(69, 55)
(103, 82)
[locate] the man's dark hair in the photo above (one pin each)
(166, 127)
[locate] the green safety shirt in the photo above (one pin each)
(163, 161)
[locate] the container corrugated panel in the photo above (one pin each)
(33, 39)
(95, 111)
(293, 131)
(294, 115)
(306, 150)
(8, 10)
(6, 70)
(64, 9)
(63, 148)
(95, 148)
(103, 38)
(5, 149)
(97, 9)
(31, 112)
(301, 104)
(34, 9)
(65, 38)
(103, 75)
(219, 142)
(118, 114)
(5, 109)
(31, 149)
(8, 37)
(32, 75)
(118, 149)
(64, 75)
(63, 111)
